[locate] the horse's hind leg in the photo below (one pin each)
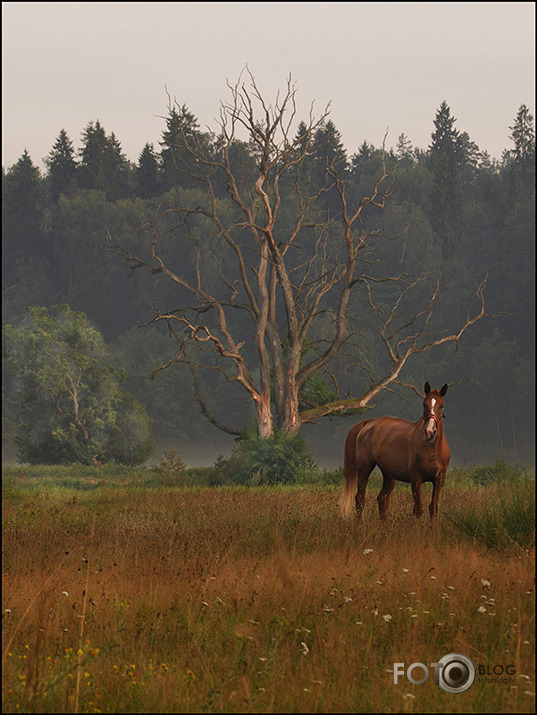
(383, 498)
(363, 477)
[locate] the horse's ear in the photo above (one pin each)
(443, 390)
(427, 388)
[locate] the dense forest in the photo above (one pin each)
(447, 226)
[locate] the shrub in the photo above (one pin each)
(505, 518)
(282, 459)
(171, 470)
(500, 470)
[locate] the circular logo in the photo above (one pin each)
(457, 673)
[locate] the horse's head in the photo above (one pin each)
(433, 411)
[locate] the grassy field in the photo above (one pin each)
(122, 597)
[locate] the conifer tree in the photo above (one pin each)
(62, 166)
(523, 153)
(445, 156)
(147, 173)
(103, 166)
(404, 147)
(22, 238)
(92, 157)
(178, 164)
(329, 155)
(327, 145)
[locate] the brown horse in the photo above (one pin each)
(404, 451)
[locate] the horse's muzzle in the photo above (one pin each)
(431, 428)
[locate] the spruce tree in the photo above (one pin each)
(523, 154)
(445, 154)
(147, 173)
(22, 238)
(329, 155)
(103, 166)
(92, 157)
(404, 148)
(178, 164)
(62, 166)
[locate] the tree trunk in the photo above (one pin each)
(265, 422)
(291, 419)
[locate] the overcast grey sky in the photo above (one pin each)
(381, 65)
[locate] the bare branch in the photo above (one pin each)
(297, 270)
(203, 406)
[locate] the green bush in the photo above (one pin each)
(500, 470)
(171, 469)
(282, 459)
(502, 516)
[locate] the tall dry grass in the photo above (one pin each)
(252, 600)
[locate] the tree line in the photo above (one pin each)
(281, 269)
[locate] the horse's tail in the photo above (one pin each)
(350, 473)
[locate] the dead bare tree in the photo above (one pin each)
(281, 260)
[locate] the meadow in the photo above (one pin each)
(122, 595)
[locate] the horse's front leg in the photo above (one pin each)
(437, 488)
(416, 493)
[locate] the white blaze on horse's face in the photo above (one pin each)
(430, 423)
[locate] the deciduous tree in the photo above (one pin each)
(70, 404)
(285, 265)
